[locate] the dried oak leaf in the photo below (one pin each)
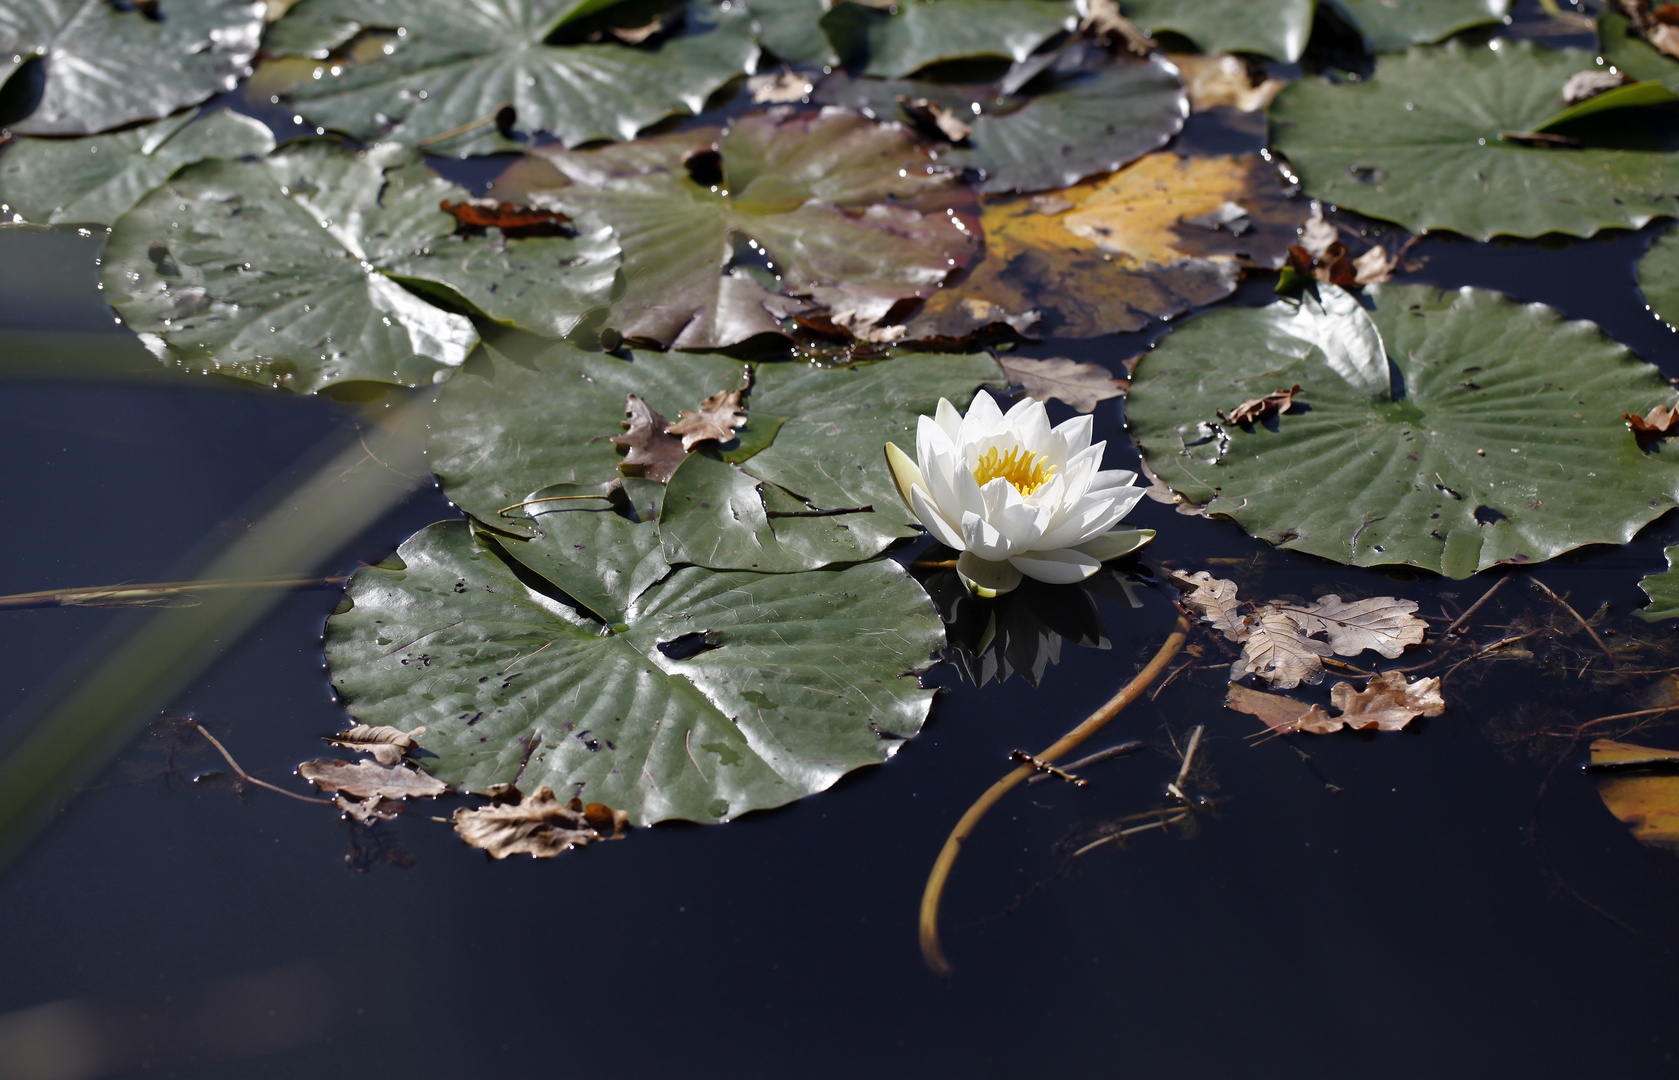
(1387, 703)
(1655, 424)
(1278, 642)
(1277, 401)
(385, 744)
(368, 810)
(539, 826)
(1277, 711)
(719, 417)
(1222, 79)
(367, 779)
(1079, 385)
(653, 453)
(1321, 254)
(1640, 785)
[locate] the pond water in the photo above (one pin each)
(1351, 906)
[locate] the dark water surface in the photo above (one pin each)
(1375, 911)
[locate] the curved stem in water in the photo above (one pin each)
(934, 892)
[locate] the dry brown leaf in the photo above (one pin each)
(1374, 266)
(1640, 785)
(539, 826)
(1217, 80)
(779, 88)
(1278, 642)
(652, 453)
(1585, 85)
(1660, 26)
(510, 218)
(1111, 255)
(1379, 623)
(719, 417)
(1658, 422)
(385, 744)
(367, 779)
(1277, 401)
(368, 810)
(935, 118)
(1107, 24)
(1079, 385)
(1317, 234)
(1388, 703)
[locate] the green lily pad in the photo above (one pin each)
(458, 63)
(923, 32)
(1420, 144)
(281, 271)
(1624, 48)
(506, 432)
(1087, 115)
(838, 209)
(701, 696)
(1274, 28)
(1663, 591)
(108, 64)
(792, 30)
(1507, 445)
(1387, 25)
(94, 179)
(1658, 277)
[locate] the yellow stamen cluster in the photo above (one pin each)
(1022, 468)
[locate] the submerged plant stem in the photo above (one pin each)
(934, 892)
(247, 777)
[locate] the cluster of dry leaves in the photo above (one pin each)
(378, 787)
(1322, 254)
(1658, 23)
(1285, 644)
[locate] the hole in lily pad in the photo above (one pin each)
(1486, 515)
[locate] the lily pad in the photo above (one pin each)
(792, 30)
(834, 207)
(1422, 144)
(506, 431)
(1091, 116)
(1387, 25)
(1507, 445)
(1165, 234)
(94, 179)
(281, 271)
(1658, 277)
(1663, 590)
(699, 696)
(1623, 48)
(457, 64)
(108, 64)
(1274, 28)
(919, 33)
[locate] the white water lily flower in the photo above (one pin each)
(1015, 496)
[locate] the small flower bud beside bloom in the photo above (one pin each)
(1015, 496)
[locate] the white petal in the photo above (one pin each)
(983, 418)
(1108, 479)
(931, 443)
(985, 577)
(1112, 545)
(983, 539)
(1086, 520)
(1013, 516)
(948, 418)
(906, 474)
(943, 531)
(1061, 567)
(1031, 422)
(1076, 432)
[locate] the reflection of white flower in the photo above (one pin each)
(1015, 496)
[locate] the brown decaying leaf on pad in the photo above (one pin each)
(538, 825)
(1387, 703)
(1079, 385)
(1655, 424)
(719, 417)
(1658, 24)
(1642, 790)
(484, 213)
(1278, 640)
(385, 744)
(1277, 401)
(653, 453)
(367, 779)
(1217, 80)
(778, 88)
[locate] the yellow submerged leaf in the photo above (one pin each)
(1160, 236)
(1646, 800)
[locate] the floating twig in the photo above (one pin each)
(1473, 608)
(931, 951)
(1094, 759)
(1046, 769)
(1584, 625)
